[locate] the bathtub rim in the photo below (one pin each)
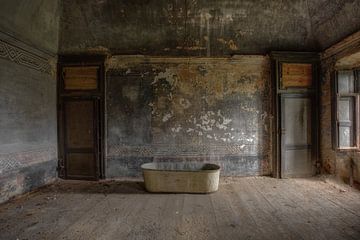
(177, 170)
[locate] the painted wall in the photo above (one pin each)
(189, 109)
(28, 140)
(205, 27)
(34, 22)
(344, 55)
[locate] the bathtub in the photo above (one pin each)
(181, 177)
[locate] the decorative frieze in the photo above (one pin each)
(160, 150)
(25, 58)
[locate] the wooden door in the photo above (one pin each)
(81, 117)
(81, 138)
(297, 141)
(296, 114)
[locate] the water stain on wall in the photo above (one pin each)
(192, 110)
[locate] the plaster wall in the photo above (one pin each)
(342, 56)
(189, 109)
(28, 139)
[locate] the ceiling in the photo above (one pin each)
(205, 27)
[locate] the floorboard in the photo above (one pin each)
(243, 208)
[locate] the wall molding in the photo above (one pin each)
(125, 61)
(20, 53)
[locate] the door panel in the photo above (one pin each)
(81, 165)
(297, 121)
(81, 123)
(296, 136)
(80, 78)
(297, 163)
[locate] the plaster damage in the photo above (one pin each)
(207, 109)
(206, 28)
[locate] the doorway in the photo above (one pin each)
(296, 135)
(81, 117)
(296, 106)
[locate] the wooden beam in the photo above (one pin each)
(343, 48)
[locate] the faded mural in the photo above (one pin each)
(185, 109)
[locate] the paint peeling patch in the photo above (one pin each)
(249, 109)
(202, 70)
(222, 124)
(168, 76)
(208, 125)
(184, 103)
(176, 129)
(190, 130)
(229, 44)
(207, 122)
(167, 116)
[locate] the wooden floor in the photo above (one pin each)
(243, 208)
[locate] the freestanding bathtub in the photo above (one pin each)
(178, 177)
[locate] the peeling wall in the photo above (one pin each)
(344, 55)
(205, 27)
(188, 109)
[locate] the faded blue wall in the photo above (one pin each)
(28, 140)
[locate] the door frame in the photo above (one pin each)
(277, 59)
(99, 94)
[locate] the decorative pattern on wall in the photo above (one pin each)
(23, 57)
(12, 161)
(159, 150)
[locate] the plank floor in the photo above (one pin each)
(243, 208)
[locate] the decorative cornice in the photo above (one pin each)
(23, 54)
